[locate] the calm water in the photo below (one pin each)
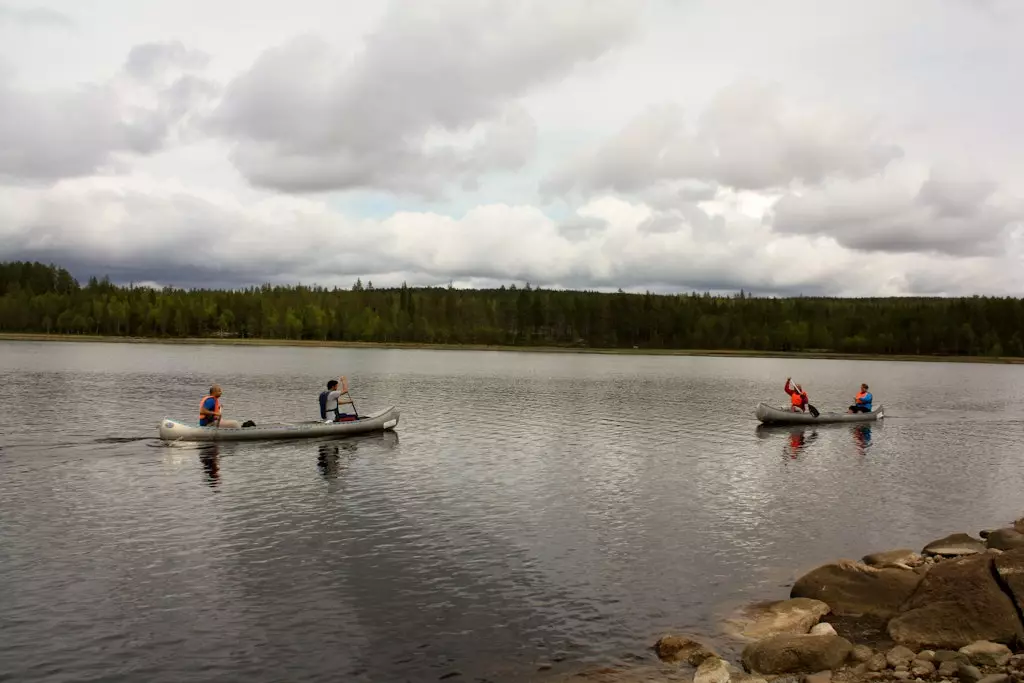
(531, 507)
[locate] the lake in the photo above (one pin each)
(531, 509)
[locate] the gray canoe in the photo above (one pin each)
(387, 419)
(771, 415)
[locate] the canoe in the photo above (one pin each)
(771, 415)
(173, 430)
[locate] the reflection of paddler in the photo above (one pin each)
(862, 435)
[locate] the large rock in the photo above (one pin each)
(1005, 539)
(682, 649)
(957, 603)
(903, 559)
(955, 545)
(785, 653)
(1010, 568)
(856, 589)
(765, 619)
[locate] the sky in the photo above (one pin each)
(792, 147)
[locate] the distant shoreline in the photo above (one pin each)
(217, 341)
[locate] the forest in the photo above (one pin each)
(41, 298)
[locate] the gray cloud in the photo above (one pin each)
(56, 134)
(578, 228)
(151, 61)
(35, 16)
(305, 117)
(945, 214)
(749, 137)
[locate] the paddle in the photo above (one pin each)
(344, 390)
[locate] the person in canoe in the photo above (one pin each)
(210, 410)
(797, 397)
(331, 402)
(862, 401)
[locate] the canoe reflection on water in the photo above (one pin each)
(329, 453)
(799, 438)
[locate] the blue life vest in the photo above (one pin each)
(323, 404)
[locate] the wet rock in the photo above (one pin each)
(983, 653)
(819, 677)
(856, 589)
(1005, 539)
(861, 653)
(877, 662)
(968, 673)
(1016, 663)
(955, 545)
(1010, 568)
(796, 654)
(922, 668)
(926, 655)
(712, 670)
(823, 629)
(682, 649)
(761, 620)
(949, 669)
(901, 675)
(995, 678)
(903, 558)
(957, 603)
(899, 656)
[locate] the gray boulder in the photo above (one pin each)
(785, 653)
(1005, 539)
(856, 589)
(984, 653)
(903, 558)
(765, 619)
(674, 648)
(957, 603)
(712, 670)
(955, 545)
(1010, 568)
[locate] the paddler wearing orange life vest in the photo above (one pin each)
(210, 410)
(797, 397)
(862, 401)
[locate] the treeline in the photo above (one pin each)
(40, 298)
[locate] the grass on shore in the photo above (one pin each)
(218, 341)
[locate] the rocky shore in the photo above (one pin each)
(951, 613)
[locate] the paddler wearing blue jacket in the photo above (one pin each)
(862, 401)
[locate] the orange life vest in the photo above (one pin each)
(216, 409)
(860, 397)
(796, 398)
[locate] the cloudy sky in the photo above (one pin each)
(793, 146)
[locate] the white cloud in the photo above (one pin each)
(140, 228)
(306, 117)
(872, 149)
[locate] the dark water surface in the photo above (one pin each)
(531, 507)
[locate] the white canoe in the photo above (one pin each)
(172, 430)
(771, 415)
